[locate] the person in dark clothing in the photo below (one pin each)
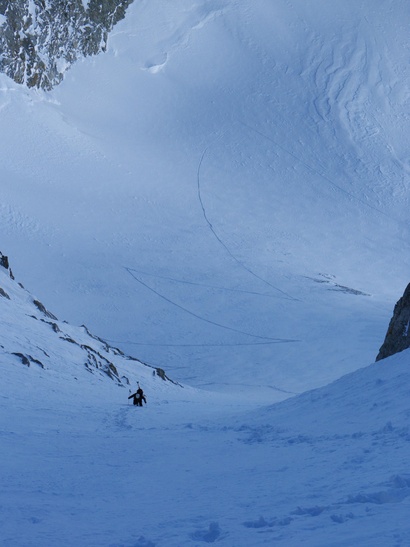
(138, 397)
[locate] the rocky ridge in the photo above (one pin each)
(47, 342)
(41, 39)
(398, 334)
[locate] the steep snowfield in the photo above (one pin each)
(32, 336)
(82, 467)
(224, 195)
(216, 192)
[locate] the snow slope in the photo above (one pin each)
(82, 467)
(224, 195)
(225, 192)
(32, 336)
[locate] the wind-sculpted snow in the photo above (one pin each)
(41, 39)
(221, 152)
(225, 194)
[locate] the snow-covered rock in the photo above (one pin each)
(33, 336)
(40, 39)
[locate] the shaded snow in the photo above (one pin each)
(81, 466)
(265, 153)
(223, 194)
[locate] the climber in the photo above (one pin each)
(138, 397)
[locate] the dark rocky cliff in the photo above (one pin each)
(40, 39)
(398, 334)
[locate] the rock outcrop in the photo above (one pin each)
(398, 334)
(33, 335)
(40, 39)
(4, 263)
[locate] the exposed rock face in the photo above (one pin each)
(40, 39)
(36, 337)
(398, 334)
(4, 263)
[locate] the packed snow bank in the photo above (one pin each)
(81, 467)
(365, 397)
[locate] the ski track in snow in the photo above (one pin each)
(201, 318)
(213, 287)
(223, 244)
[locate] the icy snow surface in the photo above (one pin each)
(223, 194)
